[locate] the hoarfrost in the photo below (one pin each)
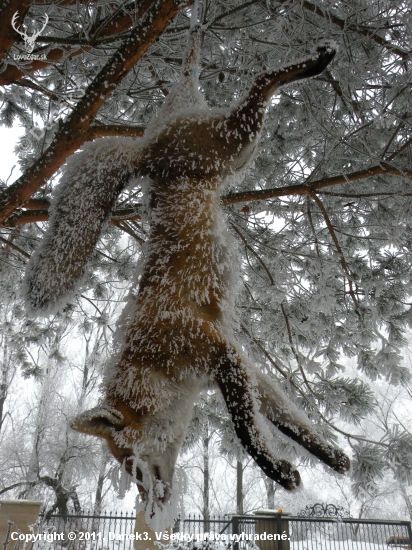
(176, 331)
(80, 208)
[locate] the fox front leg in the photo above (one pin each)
(237, 384)
(250, 396)
(293, 423)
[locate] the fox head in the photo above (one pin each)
(146, 442)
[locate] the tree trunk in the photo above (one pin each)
(407, 500)
(3, 395)
(270, 493)
(239, 487)
(97, 509)
(206, 481)
(5, 379)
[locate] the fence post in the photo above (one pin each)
(410, 534)
(279, 528)
(269, 522)
(23, 514)
(235, 530)
(176, 526)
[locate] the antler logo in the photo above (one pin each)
(29, 41)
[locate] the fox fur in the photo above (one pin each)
(175, 332)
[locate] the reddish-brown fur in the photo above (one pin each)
(175, 332)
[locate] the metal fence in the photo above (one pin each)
(236, 532)
(111, 531)
(283, 532)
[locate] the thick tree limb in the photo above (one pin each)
(102, 130)
(27, 216)
(74, 131)
(304, 189)
(37, 208)
(39, 213)
(38, 204)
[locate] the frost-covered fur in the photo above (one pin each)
(175, 332)
(81, 205)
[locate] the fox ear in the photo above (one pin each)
(100, 421)
(82, 204)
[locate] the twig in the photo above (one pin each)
(344, 265)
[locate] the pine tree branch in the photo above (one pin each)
(345, 26)
(305, 189)
(102, 130)
(38, 204)
(361, 195)
(15, 247)
(296, 355)
(267, 355)
(393, 136)
(68, 2)
(248, 196)
(305, 397)
(230, 12)
(95, 307)
(74, 131)
(262, 263)
(126, 214)
(292, 347)
(127, 229)
(39, 213)
(42, 215)
(313, 228)
(111, 26)
(37, 88)
(400, 150)
(343, 262)
(338, 89)
(28, 216)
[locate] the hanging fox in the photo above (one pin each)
(175, 334)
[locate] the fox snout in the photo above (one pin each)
(145, 455)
